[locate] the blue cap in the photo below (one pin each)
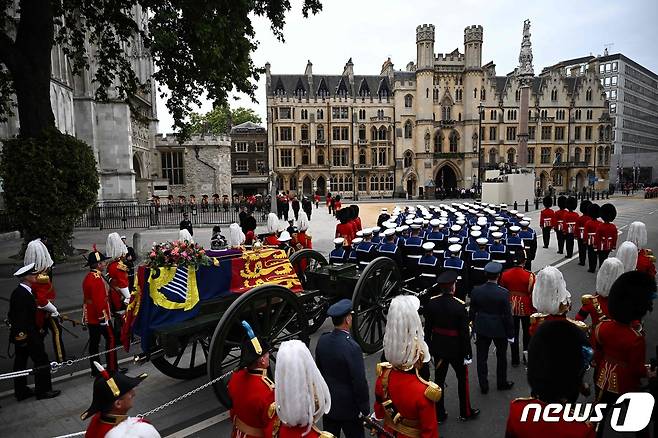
(493, 268)
(341, 308)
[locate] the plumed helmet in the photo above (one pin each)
(114, 246)
(561, 201)
(404, 341)
(628, 254)
(547, 201)
(608, 273)
(303, 223)
(252, 347)
(631, 296)
(572, 203)
(235, 236)
(584, 205)
(637, 233)
(184, 235)
(594, 211)
(37, 253)
(558, 356)
(272, 223)
(608, 212)
(550, 294)
(109, 387)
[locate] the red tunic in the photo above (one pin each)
(252, 394)
(345, 231)
(580, 226)
(96, 306)
(118, 273)
(304, 240)
(337, 205)
(606, 237)
(646, 262)
(520, 283)
(594, 306)
(285, 431)
(620, 357)
(537, 318)
(541, 428)
(272, 240)
(558, 220)
(407, 392)
(590, 231)
(43, 293)
(570, 221)
(357, 220)
(546, 217)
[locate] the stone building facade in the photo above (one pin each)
(249, 159)
(413, 131)
(199, 166)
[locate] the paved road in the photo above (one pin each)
(200, 415)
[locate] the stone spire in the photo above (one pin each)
(525, 57)
(525, 73)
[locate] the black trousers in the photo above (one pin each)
(560, 241)
(482, 344)
(546, 235)
(582, 252)
(461, 371)
(351, 428)
(592, 257)
(95, 333)
(602, 256)
(568, 243)
(33, 349)
(524, 322)
(609, 399)
(528, 264)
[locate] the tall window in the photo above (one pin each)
(408, 159)
(320, 132)
(511, 133)
(408, 101)
(241, 166)
(599, 155)
(362, 132)
(285, 112)
(576, 133)
(493, 115)
(304, 114)
(578, 115)
(518, 95)
(304, 132)
(590, 114)
(241, 146)
(576, 155)
(559, 133)
(172, 167)
(601, 132)
(554, 94)
(320, 114)
(454, 141)
(493, 133)
(445, 113)
(407, 129)
(305, 160)
(438, 142)
(511, 114)
(545, 155)
(546, 132)
(340, 133)
(339, 112)
(483, 94)
(558, 155)
(260, 146)
(511, 156)
(588, 132)
(382, 134)
(285, 157)
(531, 155)
(588, 94)
(362, 156)
(492, 156)
(339, 156)
(320, 157)
(362, 184)
(588, 155)
(286, 133)
(532, 132)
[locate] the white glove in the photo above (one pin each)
(468, 361)
(50, 308)
(125, 292)
(104, 322)
(510, 340)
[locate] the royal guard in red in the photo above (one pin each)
(520, 283)
(591, 227)
(112, 400)
(404, 401)
(606, 234)
(357, 219)
(558, 223)
(271, 238)
(345, 229)
(546, 217)
(558, 357)
(250, 391)
(117, 270)
(570, 218)
(301, 395)
(580, 231)
(96, 312)
(596, 305)
(303, 240)
(47, 317)
(646, 260)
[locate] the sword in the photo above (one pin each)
(371, 424)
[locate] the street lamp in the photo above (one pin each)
(479, 181)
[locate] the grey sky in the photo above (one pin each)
(370, 31)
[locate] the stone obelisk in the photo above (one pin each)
(524, 74)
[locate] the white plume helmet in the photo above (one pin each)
(628, 253)
(609, 271)
(301, 394)
(303, 223)
(404, 340)
(272, 223)
(550, 291)
(133, 427)
(114, 246)
(235, 236)
(37, 253)
(184, 235)
(637, 233)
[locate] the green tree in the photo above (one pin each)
(218, 120)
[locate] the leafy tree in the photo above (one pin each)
(220, 119)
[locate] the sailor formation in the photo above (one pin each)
(426, 241)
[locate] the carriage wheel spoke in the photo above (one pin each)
(193, 354)
(180, 355)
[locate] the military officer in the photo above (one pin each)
(472, 245)
(606, 233)
(376, 237)
(453, 262)
(389, 248)
(383, 217)
(558, 223)
(27, 338)
(580, 231)
(413, 250)
(340, 361)
(271, 239)
(589, 231)
(529, 238)
(551, 299)
(596, 305)
(117, 270)
(447, 330)
(546, 220)
(570, 218)
(428, 266)
(646, 260)
(339, 254)
(250, 390)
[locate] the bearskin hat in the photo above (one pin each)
(631, 296)
(561, 201)
(548, 201)
(558, 356)
(594, 211)
(356, 209)
(608, 212)
(572, 203)
(584, 205)
(343, 215)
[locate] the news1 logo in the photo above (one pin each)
(633, 418)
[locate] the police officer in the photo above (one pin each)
(339, 254)
(447, 331)
(491, 314)
(340, 361)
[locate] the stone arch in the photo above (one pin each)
(408, 158)
(581, 180)
(447, 176)
(137, 166)
(321, 184)
(307, 186)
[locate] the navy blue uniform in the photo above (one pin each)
(428, 269)
(478, 261)
(365, 253)
(338, 256)
(392, 251)
(454, 262)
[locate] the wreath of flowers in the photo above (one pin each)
(177, 253)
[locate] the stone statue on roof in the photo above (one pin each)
(525, 57)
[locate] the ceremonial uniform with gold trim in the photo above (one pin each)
(118, 273)
(252, 393)
(542, 429)
(271, 240)
(97, 315)
(101, 424)
(277, 429)
(44, 292)
(406, 402)
(595, 306)
(536, 319)
(519, 282)
(646, 262)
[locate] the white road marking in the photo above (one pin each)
(208, 422)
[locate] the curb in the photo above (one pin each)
(11, 235)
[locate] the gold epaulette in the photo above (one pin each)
(97, 275)
(324, 434)
(267, 381)
(537, 317)
(433, 391)
(581, 325)
(381, 367)
(586, 299)
(461, 301)
(122, 266)
(648, 252)
(271, 410)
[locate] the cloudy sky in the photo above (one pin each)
(369, 31)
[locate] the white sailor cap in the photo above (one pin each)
(399, 229)
(503, 206)
(472, 211)
(339, 241)
(519, 215)
(476, 228)
(476, 233)
(443, 213)
(527, 219)
(435, 222)
(514, 229)
(359, 233)
(497, 235)
(409, 221)
(455, 248)
(428, 246)
(426, 221)
(357, 241)
(524, 223)
(404, 227)
(389, 232)
(374, 230)
(455, 227)
(25, 270)
(384, 210)
(390, 225)
(454, 239)
(493, 228)
(513, 211)
(482, 220)
(367, 232)
(460, 222)
(499, 223)
(415, 226)
(418, 220)
(482, 241)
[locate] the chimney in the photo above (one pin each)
(268, 75)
